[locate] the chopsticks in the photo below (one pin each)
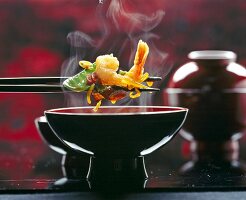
(50, 89)
(46, 85)
(47, 80)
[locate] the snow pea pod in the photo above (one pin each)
(78, 82)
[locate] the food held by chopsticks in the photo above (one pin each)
(103, 79)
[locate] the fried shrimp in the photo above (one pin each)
(106, 70)
(108, 65)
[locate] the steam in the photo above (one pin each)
(130, 27)
(132, 21)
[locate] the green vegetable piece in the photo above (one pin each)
(78, 82)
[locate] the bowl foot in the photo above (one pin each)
(118, 173)
(75, 165)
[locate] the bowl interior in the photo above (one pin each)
(117, 131)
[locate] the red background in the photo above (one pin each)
(33, 43)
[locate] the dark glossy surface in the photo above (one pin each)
(117, 151)
(214, 90)
(213, 87)
(213, 115)
(135, 131)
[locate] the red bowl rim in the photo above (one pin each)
(57, 111)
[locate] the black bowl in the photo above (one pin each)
(117, 131)
(117, 137)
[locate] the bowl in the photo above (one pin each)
(118, 137)
(117, 131)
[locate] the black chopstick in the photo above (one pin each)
(45, 80)
(32, 80)
(46, 88)
(35, 88)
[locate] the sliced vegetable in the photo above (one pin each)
(78, 83)
(88, 96)
(136, 95)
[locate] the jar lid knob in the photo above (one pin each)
(212, 55)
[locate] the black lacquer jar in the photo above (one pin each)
(213, 86)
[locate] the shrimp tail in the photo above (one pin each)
(136, 72)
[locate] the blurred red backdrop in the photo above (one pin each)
(33, 43)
